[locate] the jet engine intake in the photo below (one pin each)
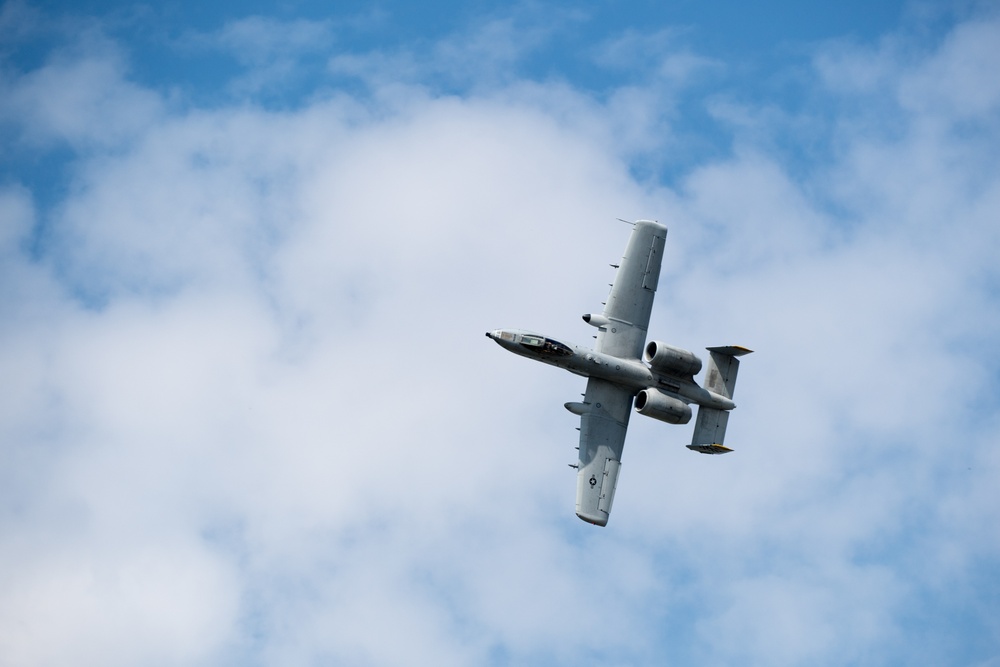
(672, 360)
(654, 403)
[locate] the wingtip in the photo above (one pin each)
(600, 520)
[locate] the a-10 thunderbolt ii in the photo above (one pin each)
(663, 387)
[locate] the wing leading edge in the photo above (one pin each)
(602, 438)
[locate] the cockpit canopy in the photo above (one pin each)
(543, 345)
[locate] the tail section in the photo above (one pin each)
(720, 378)
(723, 364)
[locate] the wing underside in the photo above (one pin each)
(602, 438)
(631, 299)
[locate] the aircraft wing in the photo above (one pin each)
(631, 298)
(602, 438)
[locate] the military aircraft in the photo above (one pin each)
(663, 387)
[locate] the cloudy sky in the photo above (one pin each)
(248, 252)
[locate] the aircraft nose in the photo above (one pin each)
(489, 335)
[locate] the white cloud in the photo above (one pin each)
(272, 52)
(79, 97)
(660, 54)
(958, 79)
(169, 602)
(251, 415)
(257, 40)
(485, 55)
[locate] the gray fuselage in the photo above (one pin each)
(631, 374)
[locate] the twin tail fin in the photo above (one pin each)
(720, 378)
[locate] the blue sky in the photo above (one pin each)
(248, 254)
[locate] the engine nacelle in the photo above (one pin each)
(673, 360)
(654, 403)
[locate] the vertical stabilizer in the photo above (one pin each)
(720, 378)
(723, 365)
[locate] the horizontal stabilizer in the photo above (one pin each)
(720, 378)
